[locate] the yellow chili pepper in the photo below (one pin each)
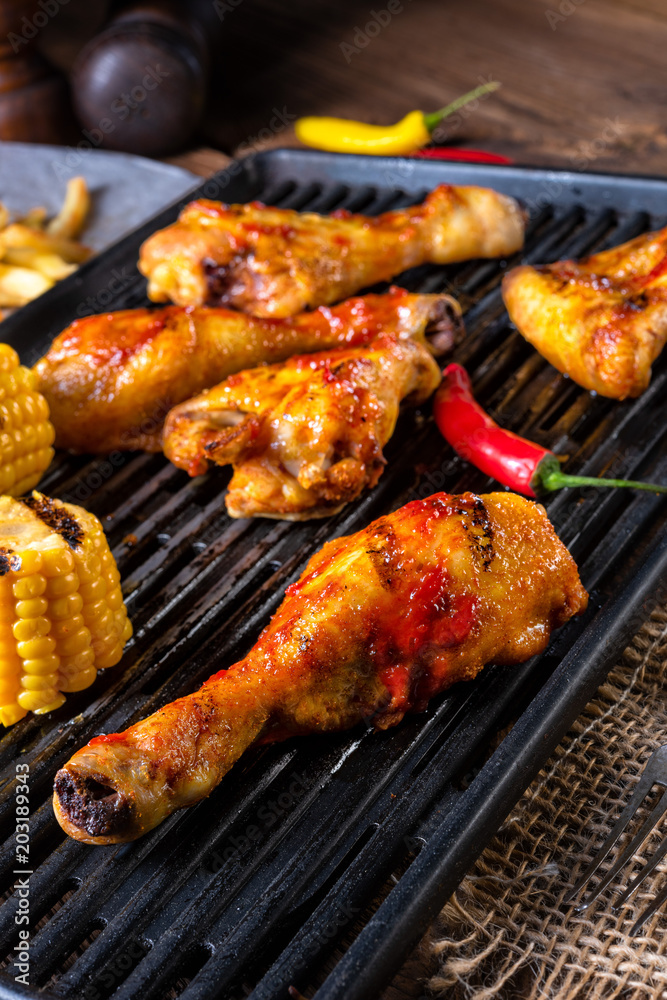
(339, 135)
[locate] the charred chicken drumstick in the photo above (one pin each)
(305, 437)
(378, 623)
(110, 380)
(601, 320)
(277, 262)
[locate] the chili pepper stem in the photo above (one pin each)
(556, 480)
(434, 118)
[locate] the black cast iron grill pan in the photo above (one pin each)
(281, 870)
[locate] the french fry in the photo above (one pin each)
(17, 235)
(35, 253)
(19, 285)
(51, 265)
(35, 217)
(71, 218)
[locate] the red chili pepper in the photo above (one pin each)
(520, 464)
(464, 155)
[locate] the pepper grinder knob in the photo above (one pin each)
(140, 85)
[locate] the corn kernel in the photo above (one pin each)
(40, 702)
(78, 681)
(11, 713)
(59, 586)
(62, 615)
(28, 405)
(31, 608)
(90, 570)
(70, 665)
(114, 599)
(42, 665)
(27, 433)
(8, 650)
(35, 649)
(74, 644)
(39, 682)
(31, 562)
(10, 686)
(29, 586)
(110, 659)
(67, 626)
(58, 561)
(8, 383)
(30, 443)
(8, 358)
(93, 591)
(51, 706)
(66, 607)
(31, 628)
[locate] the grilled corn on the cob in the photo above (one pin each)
(26, 433)
(61, 610)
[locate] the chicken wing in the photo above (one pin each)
(277, 262)
(110, 380)
(377, 624)
(601, 320)
(305, 437)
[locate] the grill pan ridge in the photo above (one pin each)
(319, 862)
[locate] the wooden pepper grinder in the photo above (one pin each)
(34, 104)
(140, 85)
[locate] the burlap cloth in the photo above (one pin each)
(505, 933)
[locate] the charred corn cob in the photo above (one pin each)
(26, 433)
(61, 610)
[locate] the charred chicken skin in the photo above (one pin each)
(110, 380)
(378, 623)
(305, 437)
(601, 320)
(277, 262)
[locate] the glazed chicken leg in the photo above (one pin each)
(277, 262)
(601, 320)
(378, 623)
(110, 380)
(305, 437)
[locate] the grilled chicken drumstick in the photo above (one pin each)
(277, 262)
(110, 380)
(601, 320)
(305, 437)
(378, 623)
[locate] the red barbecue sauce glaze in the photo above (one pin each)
(429, 619)
(106, 738)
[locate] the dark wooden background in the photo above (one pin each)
(583, 81)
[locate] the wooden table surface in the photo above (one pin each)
(583, 82)
(583, 86)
